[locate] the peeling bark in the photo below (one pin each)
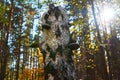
(56, 47)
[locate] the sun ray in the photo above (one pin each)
(107, 14)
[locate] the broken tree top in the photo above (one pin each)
(54, 14)
(55, 27)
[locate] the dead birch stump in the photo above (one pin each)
(57, 46)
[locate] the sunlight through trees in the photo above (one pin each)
(94, 26)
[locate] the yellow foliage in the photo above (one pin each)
(34, 54)
(40, 56)
(91, 46)
(39, 52)
(41, 78)
(30, 73)
(41, 59)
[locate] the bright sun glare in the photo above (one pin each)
(107, 14)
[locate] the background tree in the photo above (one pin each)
(6, 16)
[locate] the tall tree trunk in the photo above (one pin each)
(102, 54)
(17, 66)
(56, 48)
(5, 47)
(115, 53)
(18, 54)
(90, 70)
(109, 63)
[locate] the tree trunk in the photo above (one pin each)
(103, 66)
(56, 48)
(18, 54)
(17, 66)
(5, 47)
(115, 53)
